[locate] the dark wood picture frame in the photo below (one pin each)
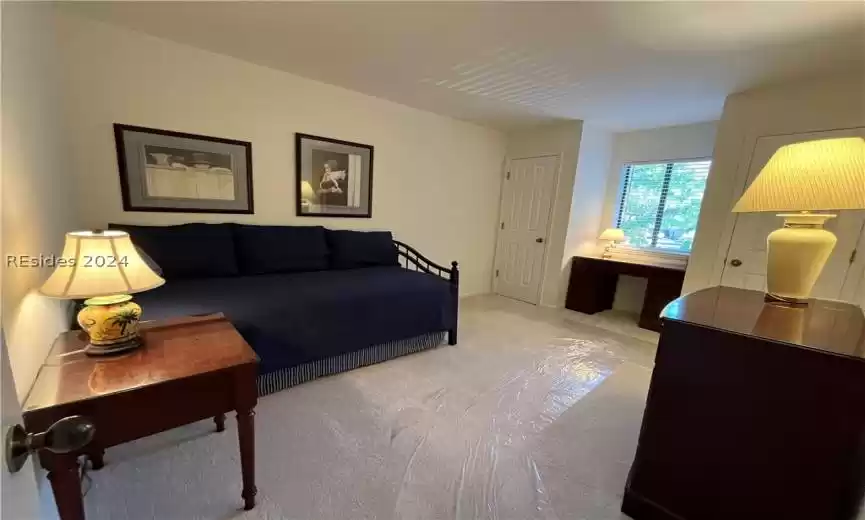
(298, 169)
(123, 170)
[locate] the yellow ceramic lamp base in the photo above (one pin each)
(111, 322)
(796, 256)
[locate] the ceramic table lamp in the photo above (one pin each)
(105, 268)
(612, 236)
(810, 176)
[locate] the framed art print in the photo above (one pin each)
(333, 177)
(185, 173)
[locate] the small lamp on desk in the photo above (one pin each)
(827, 174)
(612, 236)
(104, 267)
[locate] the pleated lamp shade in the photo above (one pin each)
(828, 174)
(99, 263)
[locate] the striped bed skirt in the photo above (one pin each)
(292, 376)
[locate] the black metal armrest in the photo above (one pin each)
(414, 261)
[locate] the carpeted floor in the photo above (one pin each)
(534, 415)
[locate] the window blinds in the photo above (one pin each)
(660, 203)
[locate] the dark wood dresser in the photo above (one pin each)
(755, 411)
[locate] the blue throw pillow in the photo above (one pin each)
(353, 249)
(187, 250)
(280, 249)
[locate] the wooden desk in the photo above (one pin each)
(189, 369)
(592, 286)
(755, 411)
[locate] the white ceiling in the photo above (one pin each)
(620, 65)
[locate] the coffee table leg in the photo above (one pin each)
(246, 437)
(220, 422)
(63, 476)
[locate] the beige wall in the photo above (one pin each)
(587, 200)
(656, 144)
(37, 206)
(562, 140)
(806, 106)
(436, 180)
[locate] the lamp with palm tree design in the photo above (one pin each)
(104, 267)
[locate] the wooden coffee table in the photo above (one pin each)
(189, 369)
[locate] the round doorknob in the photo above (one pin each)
(539, 240)
(66, 435)
(735, 262)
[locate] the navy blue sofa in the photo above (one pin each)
(309, 300)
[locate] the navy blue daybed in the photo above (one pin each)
(309, 300)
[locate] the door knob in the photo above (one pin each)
(539, 240)
(735, 262)
(66, 435)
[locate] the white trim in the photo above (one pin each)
(617, 203)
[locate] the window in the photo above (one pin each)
(660, 203)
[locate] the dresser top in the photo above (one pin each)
(825, 325)
(173, 349)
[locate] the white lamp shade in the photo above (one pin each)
(99, 264)
(613, 235)
(828, 174)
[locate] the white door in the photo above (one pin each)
(19, 492)
(527, 197)
(746, 257)
(19, 495)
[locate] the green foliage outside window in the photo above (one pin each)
(660, 204)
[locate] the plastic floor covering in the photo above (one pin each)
(533, 415)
